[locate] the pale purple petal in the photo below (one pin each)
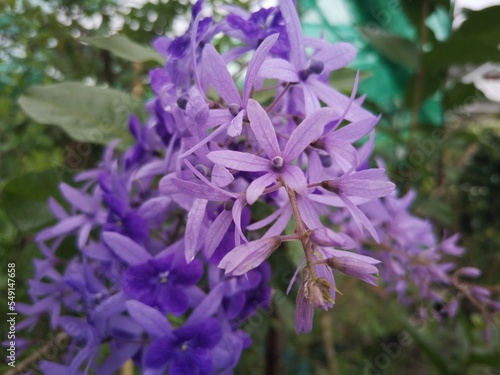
(294, 31)
(246, 257)
(236, 125)
(342, 152)
(294, 277)
(194, 228)
(76, 198)
(209, 305)
(236, 212)
(255, 64)
(359, 217)
(304, 313)
(83, 235)
(221, 176)
(326, 237)
(154, 207)
(366, 150)
(200, 191)
(295, 179)
(279, 69)
(263, 129)
(257, 186)
(356, 130)
(336, 56)
(349, 254)
(126, 249)
(217, 231)
(208, 138)
(311, 102)
(149, 318)
(65, 226)
(57, 209)
(308, 131)
(217, 74)
(367, 188)
(279, 225)
(267, 220)
(240, 161)
(339, 101)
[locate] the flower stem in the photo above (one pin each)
(301, 230)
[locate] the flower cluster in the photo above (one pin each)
(171, 244)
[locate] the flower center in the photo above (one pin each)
(234, 109)
(163, 277)
(315, 67)
(184, 346)
(277, 162)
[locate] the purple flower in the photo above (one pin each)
(277, 163)
(162, 282)
(249, 255)
(307, 73)
(187, 350)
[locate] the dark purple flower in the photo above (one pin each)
(187, 350)
(162, 282)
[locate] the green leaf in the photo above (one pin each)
(26, 198)
(87, 114)
(486, 357)
(123, 47)
(393, 47)
(476, 41)
(460, 94)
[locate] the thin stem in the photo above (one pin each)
(44, 352)
(327, 333)
(290, 237)
(419, 80)
(301, 229)
(272, 189)
(279, 97)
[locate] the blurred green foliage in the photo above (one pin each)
(411, 61)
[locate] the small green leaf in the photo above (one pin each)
(123, 47)
(392, 47)
(88, 114)
(26, 198)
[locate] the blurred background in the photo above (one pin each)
(430, 67)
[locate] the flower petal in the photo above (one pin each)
(217, 231)
(336, 56)
(255, 64)
(194, 228)
(294, 31)
(263, 129)
(149, 318)
(218, 75)
(126, 249)
(339, 101)
(248, 256)
(308, 131)
(239, 161)
(221, 176)
(295, 179)
(257, 186)
(279, 69)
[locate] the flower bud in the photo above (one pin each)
(234, 109)
(183, 101)
(330, 185)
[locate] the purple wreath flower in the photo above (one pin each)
(277, 163)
